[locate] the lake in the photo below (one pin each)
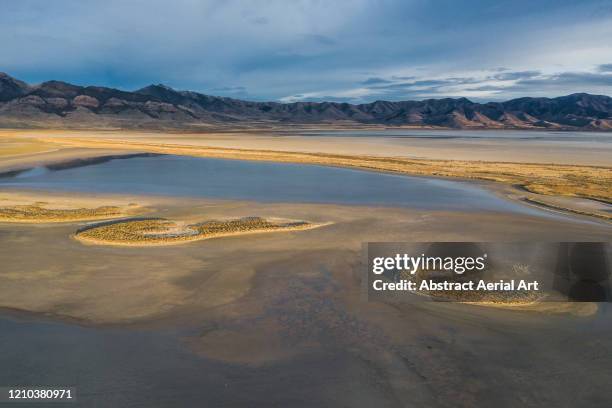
(264, 181)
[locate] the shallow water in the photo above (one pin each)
(113, 367)
(146, 368)
(265, 181)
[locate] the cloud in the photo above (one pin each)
(321, 39)
(506, 76)
(605, 68)
(374, 80)
(403, 78)
(482, 86)
(230, 89)
(312, 48)
(571, 78)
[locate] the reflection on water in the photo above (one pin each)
(265, 181)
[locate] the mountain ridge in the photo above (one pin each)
(64, 105)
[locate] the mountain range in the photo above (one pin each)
(63, 105)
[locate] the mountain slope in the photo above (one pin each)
(60, 104)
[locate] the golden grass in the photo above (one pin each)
(165, 232)
(38, 213)
(593, 182)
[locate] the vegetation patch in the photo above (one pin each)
(159, 231)
(39, 213)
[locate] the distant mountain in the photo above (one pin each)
(60, 104)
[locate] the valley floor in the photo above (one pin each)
(248, 317)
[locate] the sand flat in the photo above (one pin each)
(478, 149)
(468, 149)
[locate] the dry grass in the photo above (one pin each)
(38, 213)
(158, 231)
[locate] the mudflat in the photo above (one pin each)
(292, 301)
(127, 284)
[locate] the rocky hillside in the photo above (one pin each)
(60, 104)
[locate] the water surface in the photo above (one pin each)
(264, 181)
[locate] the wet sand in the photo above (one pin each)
(280, 319)
(123, 284)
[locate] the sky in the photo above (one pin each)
(290, 50)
